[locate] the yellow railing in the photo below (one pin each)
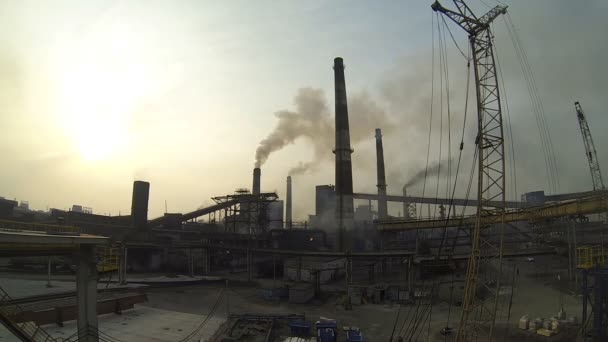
(107, 259)
(39, 227)
(589, 256)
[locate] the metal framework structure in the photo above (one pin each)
(574, 209)
(595, 294)
(246, 211)
(591, 153)
(479, 315)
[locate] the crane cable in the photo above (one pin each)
(428, 147)
(509, 126)
(428, 151)
(537, 106)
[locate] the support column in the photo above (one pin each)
(121, 265)
(274, 271)
(86, 289)
(248, 266)
(49, 266)
(349, 269)
(409, 274)
(191, 262)
(585, 292)
(575, 252)
(570, 268)
(299, 274)
(317, 275)
(205, 255)
(125, 266)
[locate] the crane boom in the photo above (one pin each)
(590, 152)
(479, 315)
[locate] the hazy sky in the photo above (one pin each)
(96, 94)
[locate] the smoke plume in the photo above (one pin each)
(313, 121)
(301, 168)
(432, 170)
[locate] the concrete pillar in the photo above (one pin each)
(248, 265)
(349, 270)
(86, 290)
(122, 266)
(48, 269)
(274, 271)
(205, 256)
(317, 278)
(191, 262)
(409, 275)
(299, 273)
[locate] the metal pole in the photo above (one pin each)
(274, 271)
(227, 301)
(575, 251)
(570, 273)
(48, 279)
(191, 263)
(125, 267)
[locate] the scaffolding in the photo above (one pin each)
(248, 214)
(588, 257)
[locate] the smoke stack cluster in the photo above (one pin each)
(139, 204)
(344, 169)
(382, 203)
(288, 205)
(257, 173)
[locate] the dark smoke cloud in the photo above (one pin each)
(314, 121)
(433, 169)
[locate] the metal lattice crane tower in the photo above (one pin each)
(479, 315)
(590, 152)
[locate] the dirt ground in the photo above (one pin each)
(538, 292)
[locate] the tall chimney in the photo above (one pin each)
(288, 218)
(382, 203)
(256, 181)
(139, 204)
(344, 170)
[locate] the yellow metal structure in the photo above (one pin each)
(107, 259)
(590, 256)
(39, 227)
(583, 206)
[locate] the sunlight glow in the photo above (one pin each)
(101, 83)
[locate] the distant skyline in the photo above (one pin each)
(97, 94)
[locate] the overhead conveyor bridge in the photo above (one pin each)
(584, 206)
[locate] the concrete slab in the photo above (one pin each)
(140, 325)
(20, 288)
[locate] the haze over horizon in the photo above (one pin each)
(97, 94)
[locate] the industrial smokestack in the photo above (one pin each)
(288, 218)
(382, 203)
(256, 181)
(344, 170)
(139, 204)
